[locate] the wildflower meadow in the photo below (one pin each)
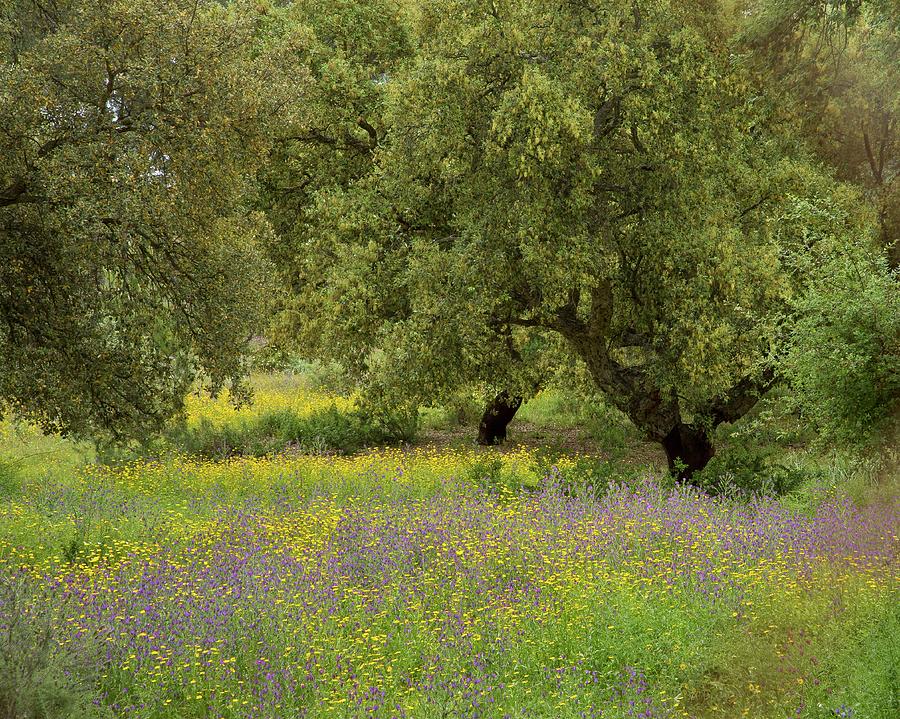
(437, 582)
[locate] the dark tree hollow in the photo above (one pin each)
(497, 416)
(688, 450)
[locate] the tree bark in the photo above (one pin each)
(497, 416)
(688, 450)
(633, 389)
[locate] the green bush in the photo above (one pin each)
(389, 425)
(582, 474)
(843, 355)
(327, 430)
(328, 377)
(486, 473)
(740, 470)
(608, 426)
(39, 677)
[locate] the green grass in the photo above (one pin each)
(27, 452)
(595, 419)
(325, 430)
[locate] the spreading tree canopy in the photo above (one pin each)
(128, 133)
(603, 173)
(353, 52)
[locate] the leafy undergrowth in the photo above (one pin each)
(328, 429)
(285, 415)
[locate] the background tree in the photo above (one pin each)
(128, 133)
(834, 70)
(843, 356)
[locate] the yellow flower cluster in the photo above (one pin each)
(266, 398)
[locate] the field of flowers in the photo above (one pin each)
(271, 393)
(449, 583)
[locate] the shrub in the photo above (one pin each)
(486, 473)
(843, 355)
(325, 430)
(740, 470)
(327, 377)
(583, 474)
(39, 678)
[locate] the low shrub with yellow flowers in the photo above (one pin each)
(267, 397)
(280, 415)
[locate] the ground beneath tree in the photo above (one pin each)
(564, 440)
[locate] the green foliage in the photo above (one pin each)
(129, 134)
(842, 357)
(9, 479)
(327, 377)
(858, 676)
(748, 471)
(832, 72)
(464, 407)
(587, 475)
(327, 430)
(39, 678)
(348, 51)
(590, 414)
(575, 475)
(544, 181)
(487, 474)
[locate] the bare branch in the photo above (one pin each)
(876, 170)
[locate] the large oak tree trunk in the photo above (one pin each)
(497, 416)
(633, 388)
(688, 450)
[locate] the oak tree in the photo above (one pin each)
(597, 171)
(129, 134)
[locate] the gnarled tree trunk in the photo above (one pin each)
(688, 450)
(634, 391)
(497, 416)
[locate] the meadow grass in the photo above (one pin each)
(436, 583)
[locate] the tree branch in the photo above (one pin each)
(876, 170)
(16, 193)
(741, 398)
(636, 141)
(601, 309)
(373, 134)
(521, 322)
(748, 210)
